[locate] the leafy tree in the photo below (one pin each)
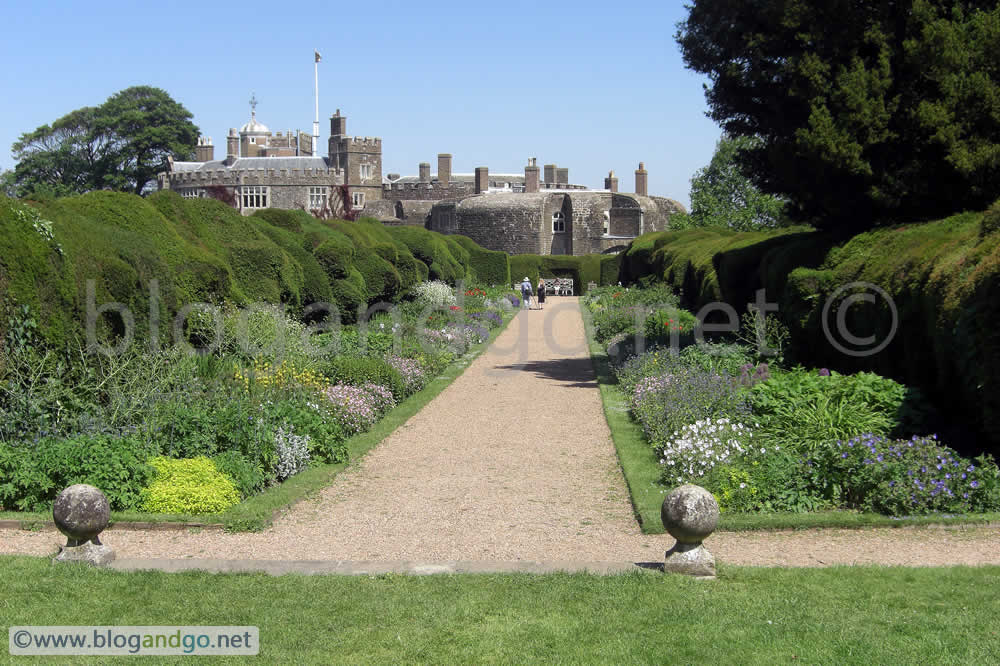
(723, 196)
(119, 145)
(8, 186)
(866, 111)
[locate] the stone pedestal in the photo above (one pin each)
(82, 512)
(690, 514)
(92, 553)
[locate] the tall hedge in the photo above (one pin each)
(490, 267)
(943, 278)
(202, 251)
(583, 269)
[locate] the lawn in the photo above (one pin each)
(747, 616)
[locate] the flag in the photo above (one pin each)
(318, 57)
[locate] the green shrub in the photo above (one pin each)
(991, 220)
(311, 418)
(487, 267)
(191, 486)
(360, 370)
(249, 478)
(805, 411)
(34, 473)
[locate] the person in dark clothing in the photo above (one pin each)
(541, 293)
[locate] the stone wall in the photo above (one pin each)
(433, 191)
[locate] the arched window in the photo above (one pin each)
(607, 223)
(558, 222)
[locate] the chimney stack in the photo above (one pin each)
(232, 146)
(482, 179)
(205, 152)
(562, 176)
(550, 174)
(531, 176)
(611, 182)
(425, 172)
(640, 180)
(444, 168)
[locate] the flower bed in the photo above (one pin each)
(767, 438)
(252, 421)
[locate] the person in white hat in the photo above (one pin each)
(526, 292)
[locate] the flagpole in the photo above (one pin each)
(316, 122)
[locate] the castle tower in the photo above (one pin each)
(360, 158)
(425, 172)
(531, 176)
(640, 180)
(444, 168)
(550, 174)
(205, 151)
(611, 182)
(482, 179)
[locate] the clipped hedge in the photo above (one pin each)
(203, 251)
(942, 276)
(583, 269)
(488, 267)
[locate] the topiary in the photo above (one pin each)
(191, 485)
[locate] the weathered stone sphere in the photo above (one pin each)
(689, 513)
(81, 512)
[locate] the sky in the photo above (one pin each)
(591, 86)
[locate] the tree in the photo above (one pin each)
(723, 196)
(865, 111)
(119, 145)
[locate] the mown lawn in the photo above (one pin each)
(840, 615)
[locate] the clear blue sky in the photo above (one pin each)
(586, 85)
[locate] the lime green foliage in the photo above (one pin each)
(191, 485)
(943, 278)
(32, 474)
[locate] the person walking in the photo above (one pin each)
(526, 292)
(541, 293)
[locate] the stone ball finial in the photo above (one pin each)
(690, 514)
(81, 512)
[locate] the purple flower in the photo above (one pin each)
(974, 484)
(824, 372)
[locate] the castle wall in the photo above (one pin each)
(432, 191)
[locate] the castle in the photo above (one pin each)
(537, 212)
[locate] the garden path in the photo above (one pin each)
(511, 462)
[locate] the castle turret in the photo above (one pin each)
(482, 179)
(444, 168)
(640, 180)
(531, 176)
(205, 152)
(425, 172)
(611, 182)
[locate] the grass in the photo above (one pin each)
(843, 615)
(642, 473)
(258, 512)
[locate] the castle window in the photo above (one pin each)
(358, 199)
(317, 198)
(367, 172)
(558, 222)
(192, 193)
(607, 223)
(254, 196)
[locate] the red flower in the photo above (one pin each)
(455, 307)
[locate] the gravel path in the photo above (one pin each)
(513, 461)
